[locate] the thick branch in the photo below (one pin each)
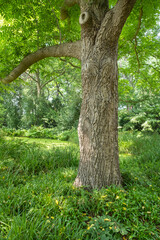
(114, 21)
(121, 11)
(67, 4)
(70, 3)
(62, 50)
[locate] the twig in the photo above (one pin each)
(75, 66)
(136, 34)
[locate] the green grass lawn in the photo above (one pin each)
(42, 142)
(38, 200)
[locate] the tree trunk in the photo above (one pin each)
(98, 124)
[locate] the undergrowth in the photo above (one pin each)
(41, 132)
(39, 202)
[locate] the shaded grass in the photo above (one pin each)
(38, 200)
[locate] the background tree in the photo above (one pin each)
(2, 113)
(58, 103)
(101, 27)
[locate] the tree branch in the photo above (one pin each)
(43, 85)
(75, 66)
(157, 70)
(58, 25)
(114, 21)
(62, 50)
(139, 23)
(121, 11)
(31, 77)
(67, 4)
(135, 36)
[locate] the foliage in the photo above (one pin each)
(56, 105)
(40, 201)
(12, 105)
(23, 27)
(70, 112)
(40, 132)
(143, 115)
(139, 70)
(2, 114)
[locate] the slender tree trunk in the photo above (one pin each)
(38, 83)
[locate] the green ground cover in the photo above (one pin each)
(38, 200)
(42, 142)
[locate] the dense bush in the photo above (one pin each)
(139, 120)
(142, 115)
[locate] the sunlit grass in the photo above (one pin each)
(38, 199)
(42, 142)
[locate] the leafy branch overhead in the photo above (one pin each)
(88, 11)
(65, 50)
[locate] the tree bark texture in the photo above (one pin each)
(98, 124)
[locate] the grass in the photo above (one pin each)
(38, 200)
(42, 142)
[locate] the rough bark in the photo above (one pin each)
(98, 124)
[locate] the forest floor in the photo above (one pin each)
(38, 200)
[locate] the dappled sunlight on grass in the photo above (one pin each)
(125, 155)
(44, 143)
(39, 200)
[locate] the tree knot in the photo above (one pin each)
(84, 18)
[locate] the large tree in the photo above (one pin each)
(97, 50)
